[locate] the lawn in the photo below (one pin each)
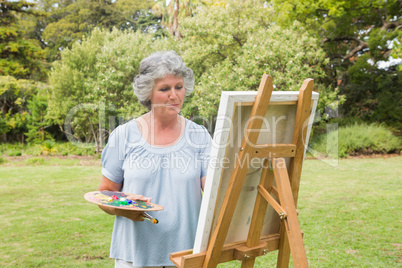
(351, 215)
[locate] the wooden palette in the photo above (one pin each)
(120, 200)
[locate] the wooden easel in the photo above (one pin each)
(289, 239)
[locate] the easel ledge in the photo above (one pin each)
(235, 251)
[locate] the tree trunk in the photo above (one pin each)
(175, 25)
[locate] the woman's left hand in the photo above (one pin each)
(129, 214)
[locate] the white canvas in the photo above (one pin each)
(233, 114)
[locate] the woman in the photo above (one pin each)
(162, 156)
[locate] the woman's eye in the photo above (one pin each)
(164, 89)
(179, 87)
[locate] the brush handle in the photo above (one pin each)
(148, 217)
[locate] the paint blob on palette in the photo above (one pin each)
(120, 200)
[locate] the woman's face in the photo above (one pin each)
(168, 95)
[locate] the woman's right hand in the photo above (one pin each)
(139, 197)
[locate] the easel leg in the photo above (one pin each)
(248, 263)
(290, 223)
(299, 135)
(284, 248)
(260, 209)
(239, 173)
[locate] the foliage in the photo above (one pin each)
(23, 104)
(14, 96)
(359, 37)
(15, 153)
(37, 123)
(358, 139)
(373, 94)
(231, 47)
(91, 87)
(21, 67)
(172, 11)
(48, 147)
(19, 57)
(229, 44)
(347, 28)
(35, 161)
(68, 21)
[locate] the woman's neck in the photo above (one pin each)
(161, 122)
(161, 131)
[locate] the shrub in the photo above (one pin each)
(33, 149)
(3, 160)
(68, 148)
(357, 139)
(35, 161)
(48, 147)
(14, 153)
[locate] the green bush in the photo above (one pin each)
(48, 147)
(357, 139)
(14, 153)
(35, 161)
(3, 160)
(68, 148)
(6, 148)
(33, 149)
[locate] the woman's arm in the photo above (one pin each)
(108, 185)
(203, 182)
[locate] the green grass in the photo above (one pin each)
(45, 220)
(357, 139)
(350, 215)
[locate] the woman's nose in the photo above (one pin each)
(172, 94)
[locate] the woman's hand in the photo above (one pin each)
(129, 214)
(108, 185)
(139, 197)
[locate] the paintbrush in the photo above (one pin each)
(148, 217)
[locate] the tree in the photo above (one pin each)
(68, 21)
(36, 121)
(19, 57)
(21, 62)
(91, 86)
(348, 29)
(231, 47)
(14, 97)
(374, 94)
(358, 36)
(171, 11)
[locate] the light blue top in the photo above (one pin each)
(171, 177)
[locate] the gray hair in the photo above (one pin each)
(157, 66)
